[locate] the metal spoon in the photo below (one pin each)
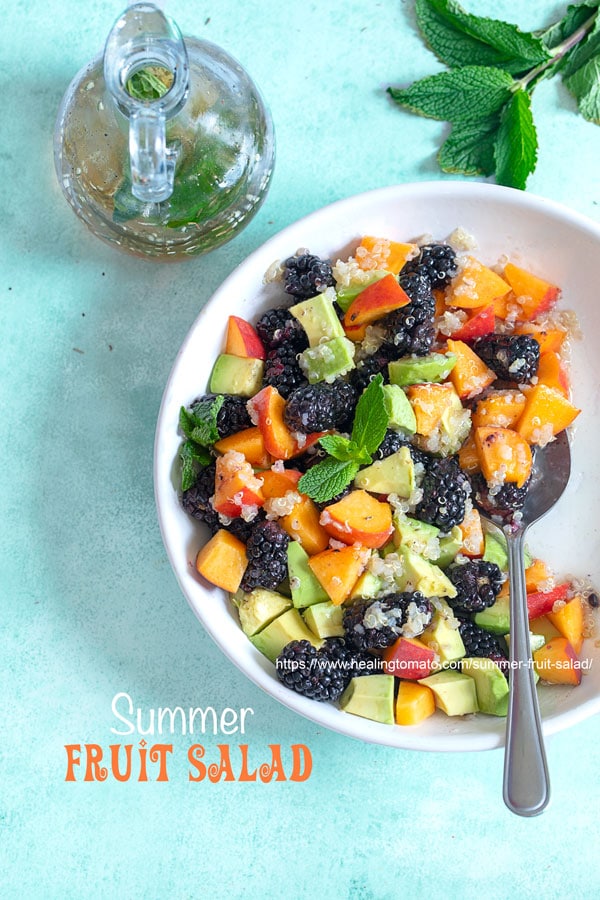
(526, 780)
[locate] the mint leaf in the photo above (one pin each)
(461, 95)
(204, 415)
(337, 446)
(583, 52)
(190, 454)
(461, 39)
(469, 148)
(584, 84)
(146, 85)
(516, 142)
(328, 478)
(575, 16)
(371, 418)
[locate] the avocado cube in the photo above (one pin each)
(327, 360)
(319, 319)
(420, 537)
(259, 607)
(490, 685)
(400, 412)
(367, 587)
(370, 696)
(289, 626)
(325, 620)
(455, 693)
(304, 585)
(236, 375)
(495, 618)
(443, 637)
(417, 370)
(393, 475)
(450, 545)
(421, 575)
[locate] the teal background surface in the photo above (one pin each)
(89, 604)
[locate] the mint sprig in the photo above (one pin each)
(493, 70)
(346, 455)
(199, 425)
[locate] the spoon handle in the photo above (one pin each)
(526, 780)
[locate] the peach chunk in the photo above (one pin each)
(236, 485)
(381, 253)
(302, 524)
(502, 408)
(533, 295)
(547, 412)
(376, 301)
(223, 561)
(470, 375)
(250, 443)
(503, 455)
(414, 703)
(267, 408)
(473, 540)
(552, 373)
(409, 658)
(557, 662)
(569, 620)
(429, 402)
(475, 286)
(358, 518)
(337, 571)
(242, 339)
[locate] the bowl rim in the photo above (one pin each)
(408, 738)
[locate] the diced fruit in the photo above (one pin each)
(375, 302)
(549, 339)
(302, 525)
(327, 360)
(429, 403)
(557, 662)
(358, 518)
(367, 586)
(319, 319)
(547, 412)
(236, 375)
(356, 333)
(502, 408)
(534, 295)
(570, 622)
(380, 253)
(495, 618)
(442, 637)
(409, 658)
(277, 484)
(539, 603)
(472, 534)
(422, 575)
(223, 561)
(258, 608)
(347, 293)
(400, 412)
(420, 369)
(475, 286)
(543, 627)
(481, 322)
(455, 693)
(337, 571)
(503, 455)
(495, 552)
(490, 685)
(268, 407)
(236, 485)
(325, 620)
(450, 545)
(304, 586)
(536, 576)
(414, 703)
(552, 373)
(250, 443)
(468, 457)
(289, 626)
(242, 339)
(393, 475)
(421, 537)
(370, 696)
(470, 376)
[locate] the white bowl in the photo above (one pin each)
(554, 242)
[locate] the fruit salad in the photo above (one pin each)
(357, 455)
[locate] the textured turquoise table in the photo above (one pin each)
(89, 605)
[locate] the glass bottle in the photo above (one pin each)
(163, 145)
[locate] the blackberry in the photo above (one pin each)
(319, 407)
(501, 501)
(233, 415)
(321, 674)
(282, 370)
(445, 489)
(376, 624)
(196, 500)
(367, 368)
(477, 585)
(278, 326)
(267, 556)
(436, 262)
(479, 642)
(391, 443)
(410, 329)
(307, 275)
(513, 357)
(242, 529)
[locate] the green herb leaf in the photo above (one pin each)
(469, 148)
(516, 142)
(204, 414)
(371, 418)
(190, 454)
(146, 85)
(584, 84)
(337, 446)
(461, 95)
(328, 478)
(461, 39)
(575, 16)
